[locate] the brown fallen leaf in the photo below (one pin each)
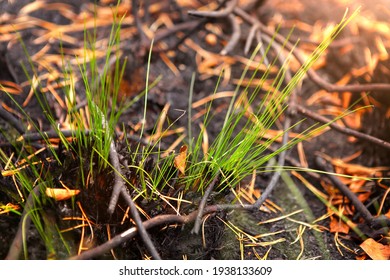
(375, 250)
(336, 225)
(61, 194)
(180, 159)
(356, 169)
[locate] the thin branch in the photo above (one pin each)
(138, 23)
(119, 188)
(251, 36)
(5, 115)
(235, 35)
(226, 13)
(202, 204)
(345, 130)
(52, 134)
(375, 222)
(275, 177)
(160, 35)
(127, 235)
(216, 14)
(153, 222)
(194, 25)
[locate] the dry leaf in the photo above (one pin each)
(180, 159)
(361, 257)
(364, 196)
(336, 225)
(375, 250)
(61, 194)
(356, 185)
(356, 169)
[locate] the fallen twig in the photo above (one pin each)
(52, 134)
(193, 26)
(160, 35)
(225, 13)
(127, 235)
(120, 189)
(374, 222)
(275, 177)
(345, 130)
(216, 14)
(153, 222)
(234, 39)
(202, 204)
(12, 120)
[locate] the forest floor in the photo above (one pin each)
(293, 223)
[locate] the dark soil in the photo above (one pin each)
(217, 241)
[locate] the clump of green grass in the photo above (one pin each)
(91, 130)
(239, 148)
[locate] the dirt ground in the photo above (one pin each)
(357, 56)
